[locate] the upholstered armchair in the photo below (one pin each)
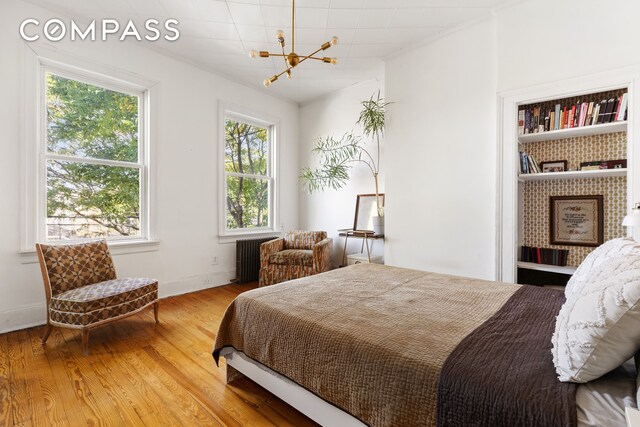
(297, 254)
(82, 290)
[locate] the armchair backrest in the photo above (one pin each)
(66, 267)
(298, 239)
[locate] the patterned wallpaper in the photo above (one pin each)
(535, 201)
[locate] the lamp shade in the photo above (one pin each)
(633, 219)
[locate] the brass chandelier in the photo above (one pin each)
(292, 59)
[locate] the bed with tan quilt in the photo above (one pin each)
(397, 347)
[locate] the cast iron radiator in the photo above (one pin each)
(248, 259)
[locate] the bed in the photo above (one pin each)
(384, 346)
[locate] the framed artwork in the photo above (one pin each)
(554, 166)
(576, 220)
(366, 209)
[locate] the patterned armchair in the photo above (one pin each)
(83, 292)
(297, 254)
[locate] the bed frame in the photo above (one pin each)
(303, 400)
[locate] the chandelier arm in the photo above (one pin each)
(284, 57)
(288, 69)
(304, 58)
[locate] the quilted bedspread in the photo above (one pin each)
(370, 339)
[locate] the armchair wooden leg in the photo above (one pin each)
(156, 306)
(85, 341)
(47, 332)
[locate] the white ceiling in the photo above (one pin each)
(218, 34)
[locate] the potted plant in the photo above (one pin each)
(338, 156)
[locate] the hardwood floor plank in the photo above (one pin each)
(137, 373)
(54, 411)
(6, 416)
(74, 410)
(18, 372)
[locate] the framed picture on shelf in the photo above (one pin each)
(576, 220)
(554, 166)
(614, 164)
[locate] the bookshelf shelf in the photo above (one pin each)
(601, 173)
(546, 267)
(574, 132)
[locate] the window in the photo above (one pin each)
(93, 173)
(249, 183)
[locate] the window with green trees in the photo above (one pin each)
(248, 175)
(94, 160)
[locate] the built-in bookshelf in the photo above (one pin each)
(600, 173)
(577, 146)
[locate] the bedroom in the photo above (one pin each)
(456, 73)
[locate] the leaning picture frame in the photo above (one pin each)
(554, 166)
(576, 220)
(366, 209)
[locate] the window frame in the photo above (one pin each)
(35, 153)
(272, 125)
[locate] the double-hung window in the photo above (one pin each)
(249, 179)
(93, 163)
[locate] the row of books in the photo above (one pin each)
(544, 255)
(536, 120)
(528, 164)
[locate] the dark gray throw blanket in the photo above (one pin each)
(502, 373)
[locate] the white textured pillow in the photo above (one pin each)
(611, 249)
(598, 327)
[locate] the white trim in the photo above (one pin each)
(256, 118)
(507, 228)
(314, 407)
(39, 59)
(546, 267)
(92, 161)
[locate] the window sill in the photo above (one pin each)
(29, 256)
(233, 237)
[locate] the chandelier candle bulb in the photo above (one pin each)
(292, 59)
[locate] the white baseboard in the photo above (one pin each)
(23, 317)
(31, 315)
(195, 283)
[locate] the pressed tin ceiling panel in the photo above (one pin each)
(217, 35)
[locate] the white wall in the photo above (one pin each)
(441, 155)
(331, 210)
(186, 154)
(548, 40)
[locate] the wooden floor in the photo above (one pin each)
(138, 373)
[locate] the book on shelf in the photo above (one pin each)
(521, 122)
(528, 164)
(583, 114)
(603, 111)
(556, 124)
(562, 116)
(622, 111)
(546, 256)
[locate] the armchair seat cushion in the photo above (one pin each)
(104, 300)
(292, 257)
